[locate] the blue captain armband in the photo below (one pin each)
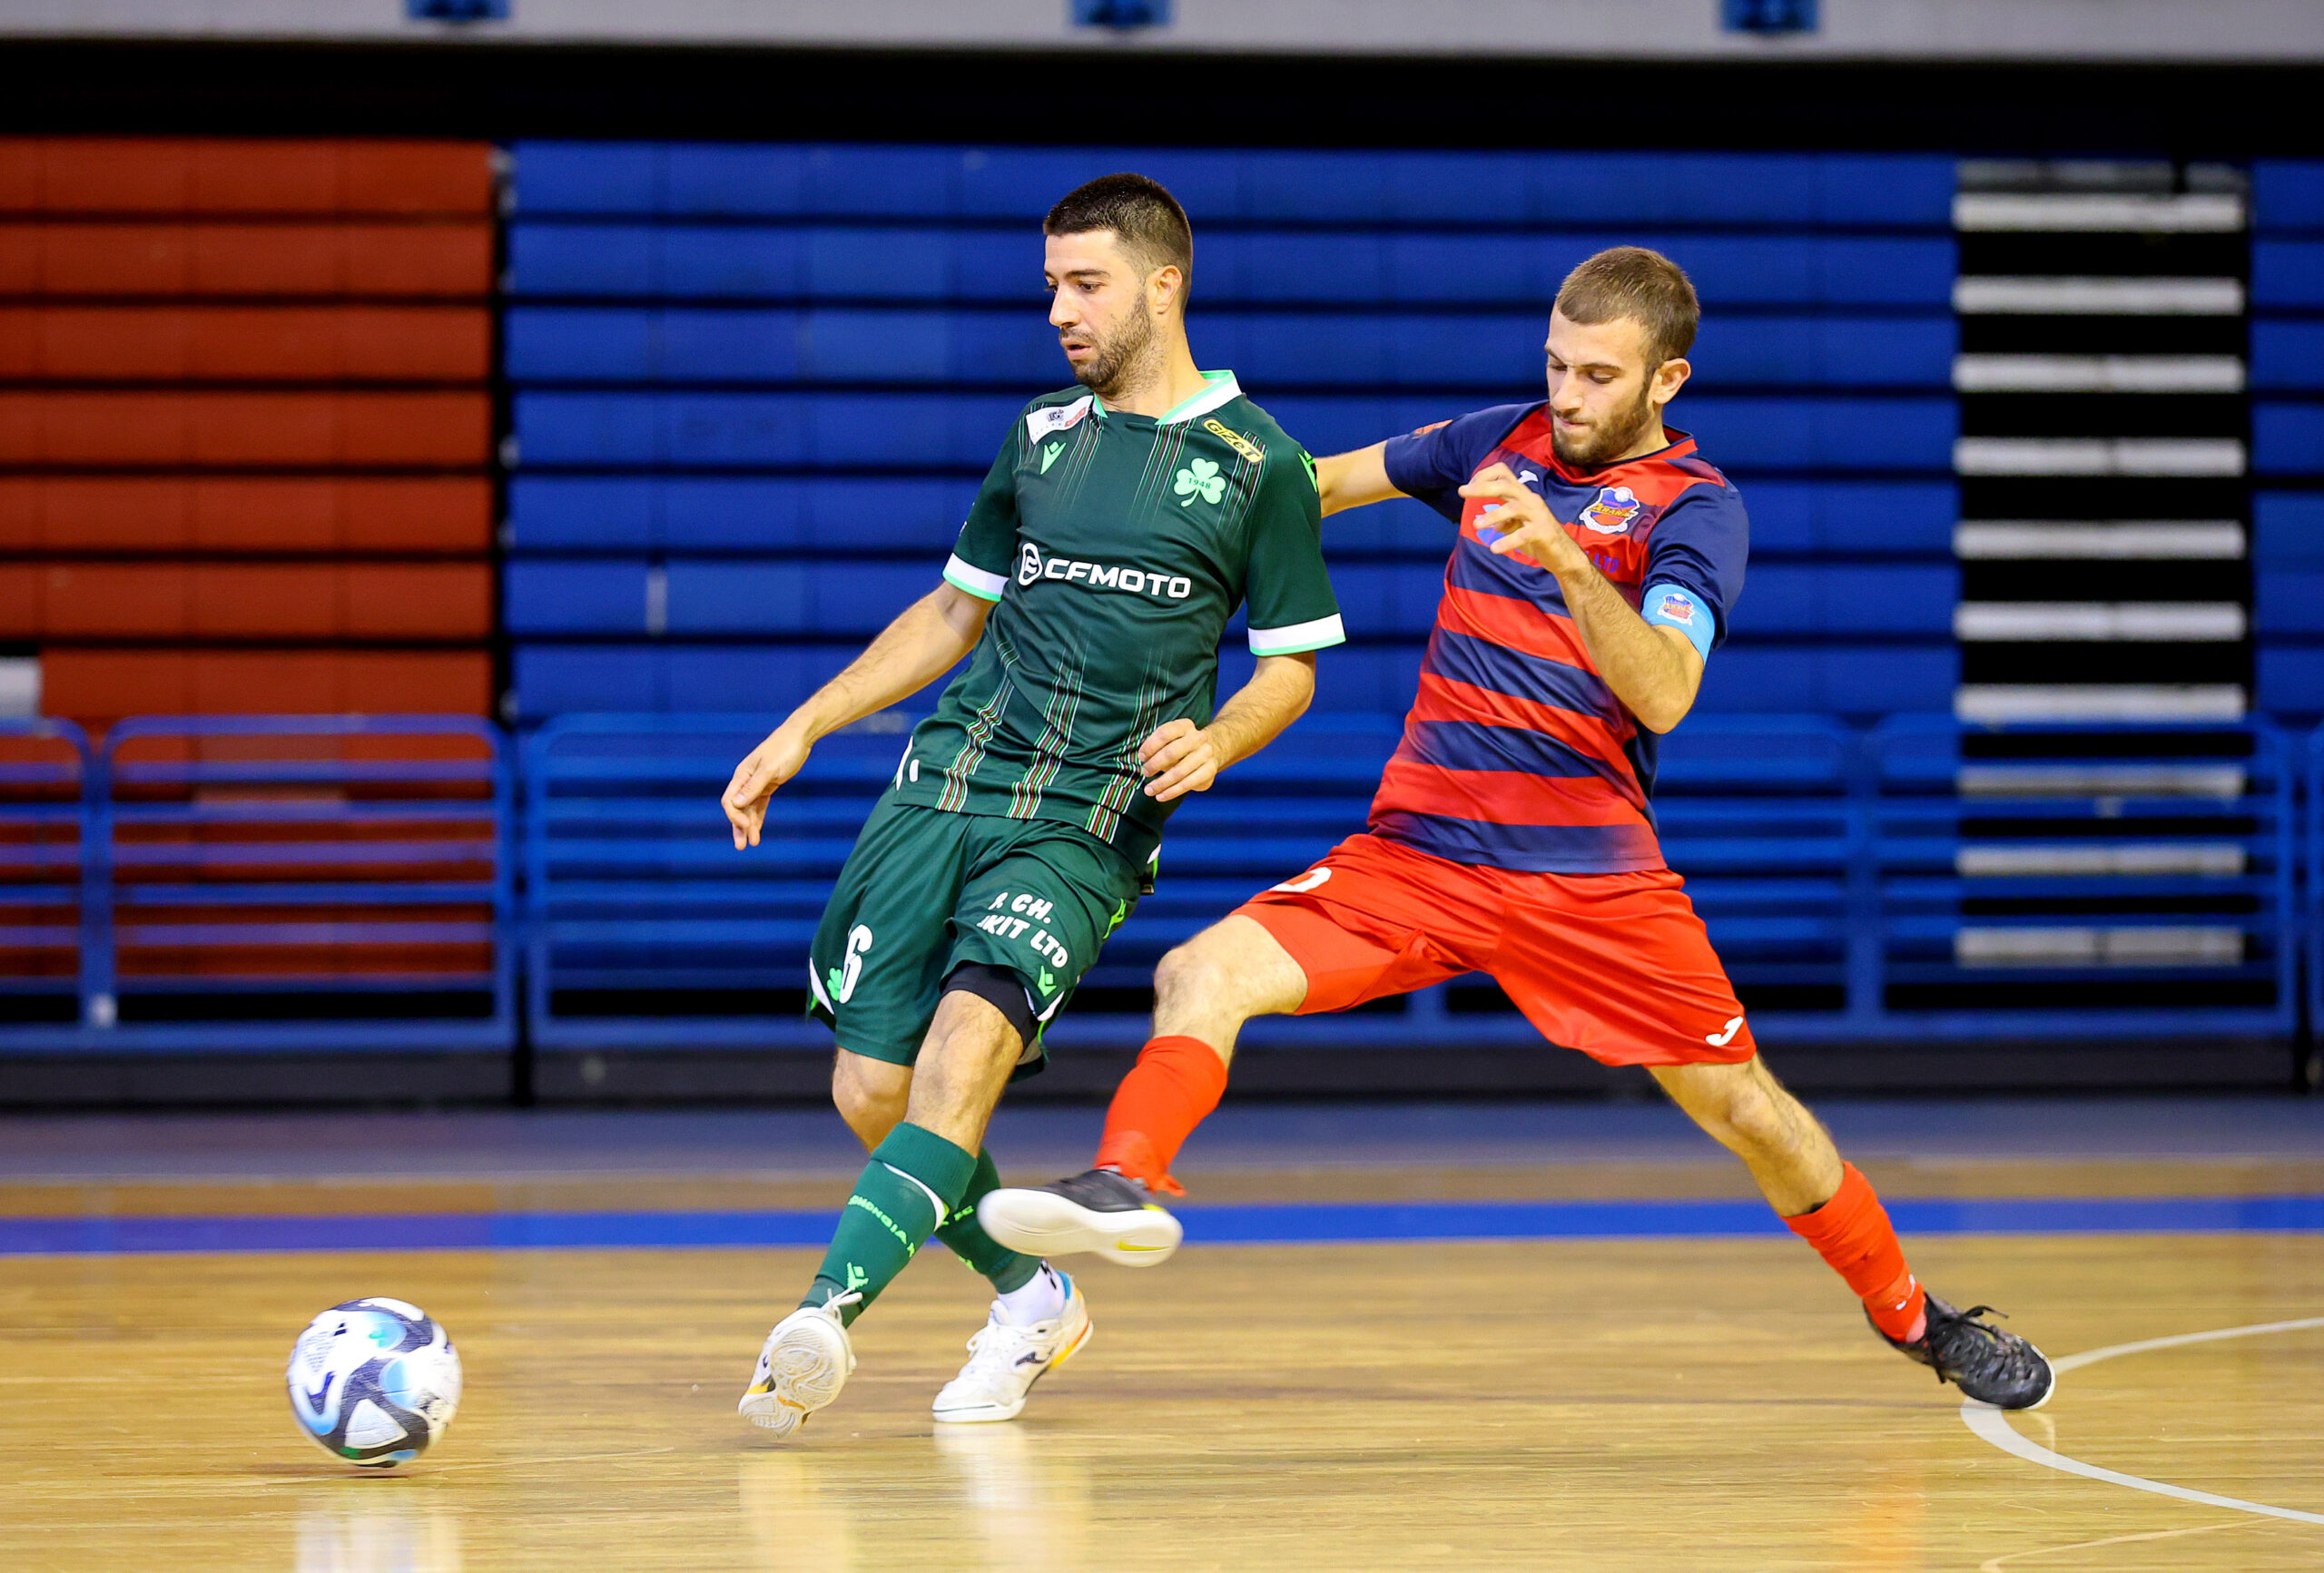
(1670, 606)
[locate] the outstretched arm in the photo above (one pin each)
(1655, 670)
(1181, 757)
(1350, 480)
(911, 653)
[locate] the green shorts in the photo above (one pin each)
(926, 892)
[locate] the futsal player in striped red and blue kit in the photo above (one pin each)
(1597, 559)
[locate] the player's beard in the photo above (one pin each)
(1119, 357)
(1610, 438)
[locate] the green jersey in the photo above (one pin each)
(1117, 546)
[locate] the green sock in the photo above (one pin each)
(912, 1183)
(1008, 1269)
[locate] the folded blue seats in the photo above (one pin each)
(1315, 186)
(799, 599)
(1402, 526)
(558, 259)
(998, 266)
(552, 597)
(548, 512)
(2291, 679)
(1499, 269)
(837, 344)
(1862, 434)
(2288, 439)
(1877, 271)
(734, 179)
(2289, 601)
(1380, 601)
(715, 430)
(734, 263)
(762, 679)
(1015, 347)
(767, 680)
(2287, 273)
(1348, 677)
(560, 679)
(1880, 352)
(2288, 531)
(1841, 679)
(1488, 351)
(1900, 190)
(1263, 266)
(1840, 599)
(880, 264)
(2286, 355)
(1024, 183)
(1454, 187)
(1859, 518)
(583, 177)
(580, 344)
(1335, 423)
(2288, 194)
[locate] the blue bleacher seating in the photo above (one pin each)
(2286, 274)
(654, 513)
(2287, 439)
(2288, 194)
(642, 259)
(2286, 355)
(755, 386)
(1802, 191)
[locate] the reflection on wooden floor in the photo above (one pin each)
(1619, 1407)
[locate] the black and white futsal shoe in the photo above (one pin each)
(1990, 1365)
(1099, 1210)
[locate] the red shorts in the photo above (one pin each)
(1617, 966)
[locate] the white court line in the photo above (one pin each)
(1987, 1422)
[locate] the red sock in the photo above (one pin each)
(1852, 1233)
(1176, 1083)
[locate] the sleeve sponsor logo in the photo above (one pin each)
(1432, 426)
(1051, 419)
(1032, 567)
(1251, 451)
(1676, 608)
(1616, 509)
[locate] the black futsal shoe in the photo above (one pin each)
(1990, 1365)
(1100, 1211)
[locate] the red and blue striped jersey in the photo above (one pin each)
(1516, 754)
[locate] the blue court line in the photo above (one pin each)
(1302, 1223)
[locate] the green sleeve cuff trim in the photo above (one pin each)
(1299, 638)
(967, 577)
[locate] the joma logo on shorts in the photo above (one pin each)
(1032, 567)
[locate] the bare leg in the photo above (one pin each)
(964, 1064)
(870, 1094)
(1748, 1112)
(1210, 985)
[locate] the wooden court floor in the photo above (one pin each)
(1615, 1405)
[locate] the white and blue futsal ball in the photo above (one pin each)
(374, 1381)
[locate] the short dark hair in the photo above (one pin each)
(1644, 286)
(1150, 223)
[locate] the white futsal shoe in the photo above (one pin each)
(807, 1360)
(1006, 1361)
(1097, 1211)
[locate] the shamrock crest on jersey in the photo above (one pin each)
(1200, 479)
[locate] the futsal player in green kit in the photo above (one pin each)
(1123, 521)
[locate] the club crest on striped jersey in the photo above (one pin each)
(1613, 512)
(1051, 419)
